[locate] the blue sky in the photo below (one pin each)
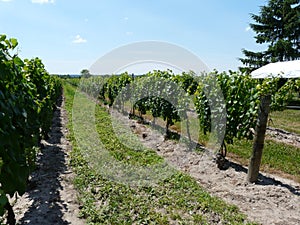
(71, 35)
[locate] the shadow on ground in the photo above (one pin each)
(45, 182)
(264, 180)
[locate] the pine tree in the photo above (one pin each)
(277, 25)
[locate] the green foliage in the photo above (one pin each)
(231, 100)
(276, 157)
(187, 82)
(27, 97)
(242, 98)
(85, 73)
(161, 93)
(281, 94)
(94, 86)
(287, 120)
(75, 81)
(106, 89)
(114, 85)
(278, 25)
(47, 89)
(241, 101)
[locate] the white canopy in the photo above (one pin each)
(288, 69)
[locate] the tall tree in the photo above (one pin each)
(277, 25)
(85, 73)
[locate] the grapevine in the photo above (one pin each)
(27, 98)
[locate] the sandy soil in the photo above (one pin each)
(273, 200)
(51, 198)
(283, 136)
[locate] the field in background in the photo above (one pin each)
(288, 120)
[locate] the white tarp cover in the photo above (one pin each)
(288, 69)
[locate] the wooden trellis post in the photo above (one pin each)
(258, 143)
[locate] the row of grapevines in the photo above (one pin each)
(230, 99)
(157, 92)
(93, 86)
(27, 97)
(113, 86)
(242, 96)
(160, 94)
(105, 88)
(239, 101)
(75, 81)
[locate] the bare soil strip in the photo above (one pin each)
(283, 136)
(51, 198)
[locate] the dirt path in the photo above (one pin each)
(283, 136)
(273, 200)
(51, 198)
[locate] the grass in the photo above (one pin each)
(277, 157)
(142, 157)
(287, 120)
(177, 199)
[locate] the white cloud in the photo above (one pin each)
(6, 0)
(42, 1)
(248, 29)
(129, 33)
(79, 40)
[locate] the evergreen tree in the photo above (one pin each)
(277, 25)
